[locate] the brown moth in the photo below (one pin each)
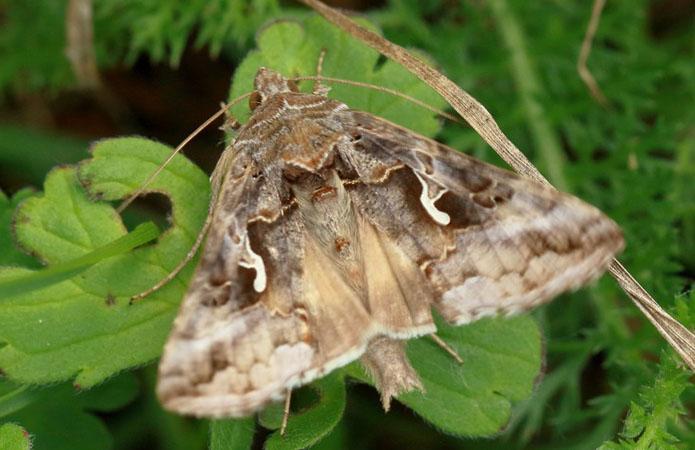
(336, 233)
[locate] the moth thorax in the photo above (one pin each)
(295, 172)
(268, 83)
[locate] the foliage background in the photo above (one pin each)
(165, 65)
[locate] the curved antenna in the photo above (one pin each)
(183, 143)
(386, 90)
(216, 180)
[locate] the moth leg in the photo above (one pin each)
(286, 412)
(446, 347)
(386, 361)
(216, 183)
(319, 88)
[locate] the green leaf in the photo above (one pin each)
(9, 253)
(306, 428)
(85, 327)
(61, 418)
(36, 280)
(232, 434)
(293, 49)
(501, 361)
(14, 437)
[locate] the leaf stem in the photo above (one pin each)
(527, 81)
(15, 400)
(142, 234)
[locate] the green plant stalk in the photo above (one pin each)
(142, 234)
(15, 400)
(527, 81)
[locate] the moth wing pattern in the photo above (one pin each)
(219, 308)
(335, 234)
(277, 299)
(240, 340)
(503, 243)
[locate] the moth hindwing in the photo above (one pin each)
(335, 235)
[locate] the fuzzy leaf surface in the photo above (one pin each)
(84, 327)
(14, 437)
(501, 361)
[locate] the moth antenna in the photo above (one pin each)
(216, 180)
(183, 143)
(319, 88)
(286, 412)
(447, 348)
(179, 267)
(386, 90)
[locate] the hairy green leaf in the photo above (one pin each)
(36, 280)
(502, 359)
(501, 363)
(14, 437)
(84, 327)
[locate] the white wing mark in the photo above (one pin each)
(301, 107)
(251, 260)
(437, 215)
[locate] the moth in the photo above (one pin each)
(335, 235)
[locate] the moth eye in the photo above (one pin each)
(292, 85)
(255, 100)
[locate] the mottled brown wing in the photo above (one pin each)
(228, 354)
(488, 240)
(292, 284)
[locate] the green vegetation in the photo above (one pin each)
(79, 361)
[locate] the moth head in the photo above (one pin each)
(268, 83)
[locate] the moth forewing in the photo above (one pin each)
(337, 232)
